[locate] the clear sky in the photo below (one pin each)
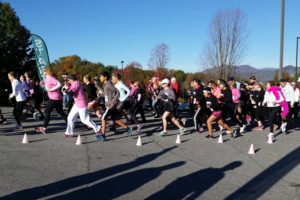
(109, 31)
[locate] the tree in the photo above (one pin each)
(179, 75)
(15, 51)
(160, 57)
(227, 42)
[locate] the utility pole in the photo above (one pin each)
(281, 38)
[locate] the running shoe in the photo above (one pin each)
(100, 137)
(139, 128)
(283, 127)
(162, 133)
(129, 131)
(242, 129)
(18, 127)
(259, 128)
(182, 131)
(40, 130)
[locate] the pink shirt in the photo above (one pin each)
(51, 82)
(235, 95)
(79, 95)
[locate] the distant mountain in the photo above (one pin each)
(262, 74)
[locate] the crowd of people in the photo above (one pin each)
(215, 105)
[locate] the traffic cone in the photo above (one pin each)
(220, 141)
(139, 142)
(25, 139)
(251, 150)
(270, 138)
(178, 141)
(78, 142)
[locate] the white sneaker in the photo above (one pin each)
(221, 128)
(242, 129)
(139, 128)
(271, 135)
(283, 127)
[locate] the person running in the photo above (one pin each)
(136, 102)
(237, 105)
(3, 120)
(289, 95)
(273, 99)
(37, 97)
(199, 105)
(124, 91)
(167, 96)
(52, 85)
(20, 98)
(111, 96)
(227, 103)
(214, 111)
(79, 107)
(257, 98)
(296, 100)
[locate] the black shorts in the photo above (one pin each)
(112, 114)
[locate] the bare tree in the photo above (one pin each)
(227, 43)
(160, 56)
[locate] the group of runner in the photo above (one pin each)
(215, 101)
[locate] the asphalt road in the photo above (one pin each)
(53, 167)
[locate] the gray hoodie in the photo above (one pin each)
(111, 95)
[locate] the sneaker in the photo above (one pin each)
(68, 135)
(242, 129)
(183, 121)
(221, 128)
(18, 127)
(162, 133)
(40, 130)
(201, 130)
(129, 131)
(271, 135)
(259, 128)
(234, 135)
(100, 137)
(139, 128)
(283, 127)
(209, 137)
(3, 121)
(182, 131)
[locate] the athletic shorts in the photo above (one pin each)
(111, 114)
(217, 114)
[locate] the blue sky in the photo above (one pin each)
(109, 31)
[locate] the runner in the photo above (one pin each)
(111, 95)
(19, 97)
(52, 85)
(79, 107)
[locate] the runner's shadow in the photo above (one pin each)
(67, 184)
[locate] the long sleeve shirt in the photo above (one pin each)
(296, 95)
(123, 89)
(17, 91)
(167, 94)
(270, 99)
(78, 94)
(288, 93)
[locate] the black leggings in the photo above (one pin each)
(135, 110)
(199, 117)
(274, 116)
(229, 109)
(18, 110)
(57, 104)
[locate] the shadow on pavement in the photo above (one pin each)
(269, 177)
(193, 185)
(86, 179)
